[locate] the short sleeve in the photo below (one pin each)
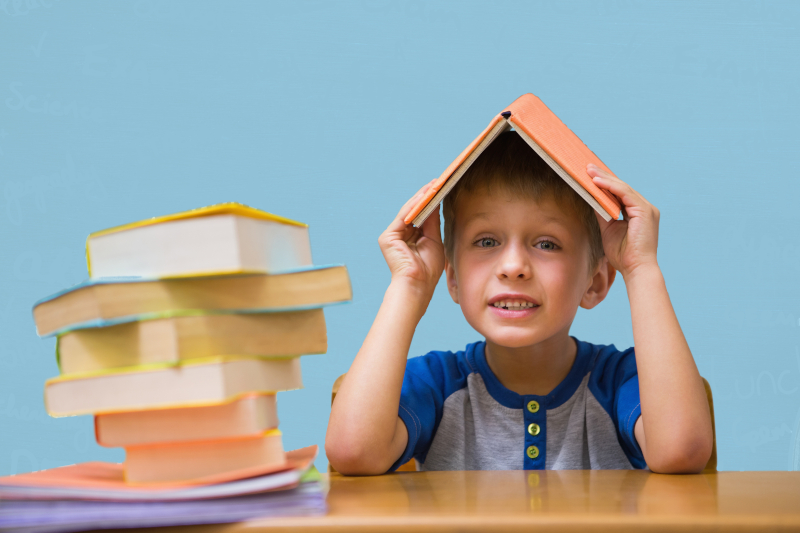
(629, 409)
(427, 382)
(615, 384)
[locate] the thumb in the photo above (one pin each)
(431, 228)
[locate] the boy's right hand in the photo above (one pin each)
(365, 433)
(414, 255)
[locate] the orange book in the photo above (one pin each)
(185, 462)
(547, 136)
(249, 415)
(106, 481)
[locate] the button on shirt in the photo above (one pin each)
(460, 417)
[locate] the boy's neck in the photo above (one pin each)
(536, 369)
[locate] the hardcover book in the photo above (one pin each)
(248, 415)
(218, 239)
(194, 383)
(550, 138)
(106, 302)
(176, 462)
(182, 338)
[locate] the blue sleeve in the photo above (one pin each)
(615, 384)
(427, 382)
(629, 409)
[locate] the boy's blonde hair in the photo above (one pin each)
(510, 165)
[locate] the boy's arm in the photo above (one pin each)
(365, 434)
(674, 430)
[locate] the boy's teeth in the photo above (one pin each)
(513, 304)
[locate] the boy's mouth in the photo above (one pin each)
(514, 304)
(508, 305)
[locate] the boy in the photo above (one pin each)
(521, 252)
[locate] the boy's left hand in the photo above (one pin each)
(631, 242)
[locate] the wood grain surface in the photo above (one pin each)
(564, 501)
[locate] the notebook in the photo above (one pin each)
(307, 499)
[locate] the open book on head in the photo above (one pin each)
(553, 141)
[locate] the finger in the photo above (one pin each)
(603, 222)
(620, 189)
(431, 228)
(398, 224)
(413, 236)
(413, 201)
(594, 170)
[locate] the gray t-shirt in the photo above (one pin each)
(460, 417)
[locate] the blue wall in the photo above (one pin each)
(335, 113)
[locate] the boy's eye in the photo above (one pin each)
(548, 245)
(486, 242)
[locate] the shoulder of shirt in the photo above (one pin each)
(608, 364)
(440, 367)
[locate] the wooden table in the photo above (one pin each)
(578, 500)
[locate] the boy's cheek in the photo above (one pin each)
(473, 319)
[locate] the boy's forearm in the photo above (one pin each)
(675, 415)
(365, 414)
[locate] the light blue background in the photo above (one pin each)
(335, 113)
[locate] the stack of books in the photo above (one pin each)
(185, 331)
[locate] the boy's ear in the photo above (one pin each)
(600, 284)
(452, 283)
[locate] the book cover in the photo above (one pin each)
(549, 137)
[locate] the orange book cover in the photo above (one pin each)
(548, 137)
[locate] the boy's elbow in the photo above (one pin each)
(349, 459)
(687, 457)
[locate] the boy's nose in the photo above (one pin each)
(514, 263)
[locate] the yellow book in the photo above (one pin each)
(182, 338)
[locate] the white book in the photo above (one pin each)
(221, 239)
(200, 382)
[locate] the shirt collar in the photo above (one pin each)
(476, 353)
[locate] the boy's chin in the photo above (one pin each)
(515, 338)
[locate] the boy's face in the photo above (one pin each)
(520, 268)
